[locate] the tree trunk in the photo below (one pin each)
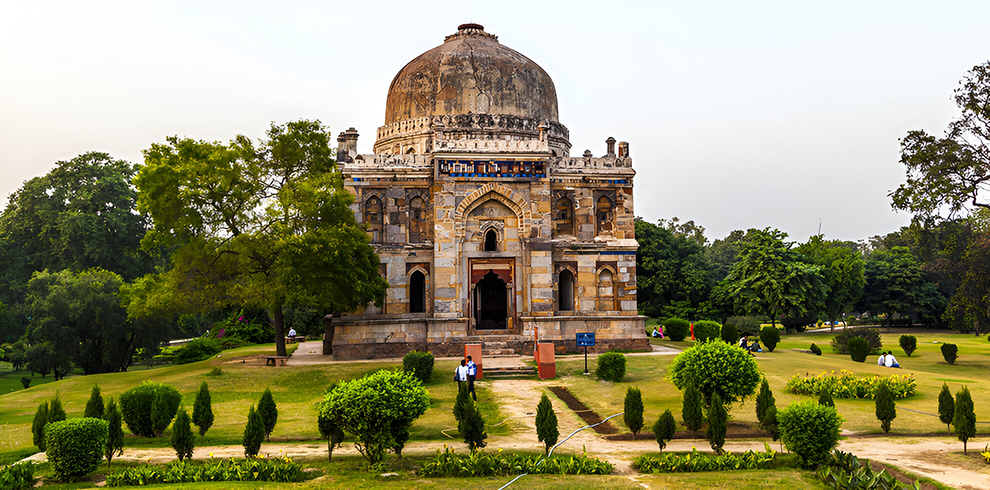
(279, 329)
(328, 335)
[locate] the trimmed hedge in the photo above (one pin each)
(611, 366)
(75, 446)
(950, 352)
(197, 350)
(274, 469)
(815, 349)
(810, 430)
(770, 337)
(847, 385)
(480, 463)
(859, 348)
(697, 462)
(676, 329)
(729, 334)
(137, 405)
(909, 343)
(706, 329)
(420, 364)
(17, 476)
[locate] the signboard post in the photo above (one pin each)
(586, 339)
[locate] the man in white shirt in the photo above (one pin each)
(882, 361)
(472, 375)
(292, 332)
(891, 361)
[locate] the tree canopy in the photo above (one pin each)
(950, 175)
(896, 283)
(842, 270)
(262, 225)
(673, 278)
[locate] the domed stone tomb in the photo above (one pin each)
(488, 231)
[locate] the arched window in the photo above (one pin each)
(374, 218)
(565, 291)
(411, 151)
(603, 214)
(491, 241)
(417, 292)
(606, 291)
(564, 216)
(417, 220)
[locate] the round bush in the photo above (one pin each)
(810, 430)
(137, 407)
(420, 364)
(706, 330)
(729, 334)
(716, 367)
(859, 348)
(676, 329)
(770, 337)
(909, 343)
(197, 350)
(950, 352)
(815, 349)
(611, 366)
(75, 446)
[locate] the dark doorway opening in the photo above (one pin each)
(491, 302)
(417, 293)
(565, 291)
(491, 241)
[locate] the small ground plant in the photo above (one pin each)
(697, 461)
(274, 469)
(481, 463)
(848, 385)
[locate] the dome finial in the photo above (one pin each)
(470, 29)
(470, 25)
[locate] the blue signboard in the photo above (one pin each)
(586, 339)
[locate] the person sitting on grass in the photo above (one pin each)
(891, 361)
(882, 360)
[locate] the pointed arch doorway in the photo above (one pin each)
(492, 307)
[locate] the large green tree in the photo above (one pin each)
(80, 315)
(673, 277)
(842, 270)
(264, 224)
(950, 175)
(771, 278)
(895, 283)
(970, 305)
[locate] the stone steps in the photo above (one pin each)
(486, 353)
(510, 372)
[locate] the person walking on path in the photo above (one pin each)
(472, 374)
(460, 374)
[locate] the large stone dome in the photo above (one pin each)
(471, 73)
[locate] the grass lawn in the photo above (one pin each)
(927, 365)
(297, 391)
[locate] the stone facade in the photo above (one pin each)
(484, 225)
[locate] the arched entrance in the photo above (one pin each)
(565, 291)
(491, 302)
(417, 292)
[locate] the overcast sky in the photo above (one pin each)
(738, 114)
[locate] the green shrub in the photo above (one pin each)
(840, 343)
(183, 440)
(611, 366)
(815, 349)
(706, 330)
(216, 371)
(847, 385)
(949, 352)
(25, 382)
(274, 469)
(770, 423)
(691, 407)
(94, 407)
(664, 428)
(946, 407)
(330, 430)
(197, 350)
(718, 419)
(268, 411)
(699, 462)
(461, 402)
(909, 343)
(770, 337)
(858, 348)
(75, 447)
(115, 431)
(964, 418)
(480, 463)
(471, 427)
(202, 414)
(17, 476)
(729, 334)
(144, 415)
(844, 470)
(55, 411)
(716, 367)
(810, 430)
(420, 364)
(238, 328)
(632, 413)
(825, 397)
(38, 426)
(676, 329)
(254, 433)
(372, 408)
(546, 423)
(764, 400)
(885, 408)
(746, 325)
